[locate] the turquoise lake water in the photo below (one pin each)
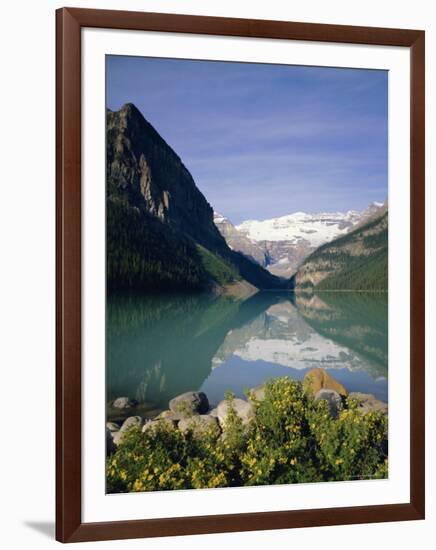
(160, 346)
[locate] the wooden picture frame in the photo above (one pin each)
(69, 526)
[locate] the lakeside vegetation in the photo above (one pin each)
(290, 438)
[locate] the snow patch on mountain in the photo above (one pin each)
(282, 244)
(316, 229)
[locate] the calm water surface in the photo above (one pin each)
(160, 346)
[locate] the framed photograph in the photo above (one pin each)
(240, 274)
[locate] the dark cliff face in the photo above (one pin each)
(160, 228)
(143, 165)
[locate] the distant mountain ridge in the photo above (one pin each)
(160, 228)
(356, 261)
(238, 241)
(282, 244)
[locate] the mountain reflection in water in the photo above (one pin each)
(162, 345)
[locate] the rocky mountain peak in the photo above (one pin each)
(162, 230)
(140, 162)
(284, 242)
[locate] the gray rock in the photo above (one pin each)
(123, 403)
(165, 414)
(189, 403)
(112, 426)
(117, 437)
(367, 403)
(170, 415)
(153, 424)
(130, 422)
(258, 393)
(242, 408)
(110, 445)
(334, 400)
(198, 424)
(213, 412)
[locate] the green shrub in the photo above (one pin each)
(291, 439)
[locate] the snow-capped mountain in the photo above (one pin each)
(286, 241)
(316, 229)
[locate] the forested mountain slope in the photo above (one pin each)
(356, 261)
(160, 228)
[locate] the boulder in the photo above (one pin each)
(117, 437)
(258, 393)
(153, 424)
(334, 401)
(112, 426)
(165, 414)
(213, 412)
(242, 408)
(110, 445)
(123, 403)
(189, 403)
(170, 415)
(130, 422)
(367, 402)
(319, 379)
(198, 424)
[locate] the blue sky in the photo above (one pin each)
(265, 140)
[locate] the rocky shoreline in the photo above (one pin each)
(192, 411)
